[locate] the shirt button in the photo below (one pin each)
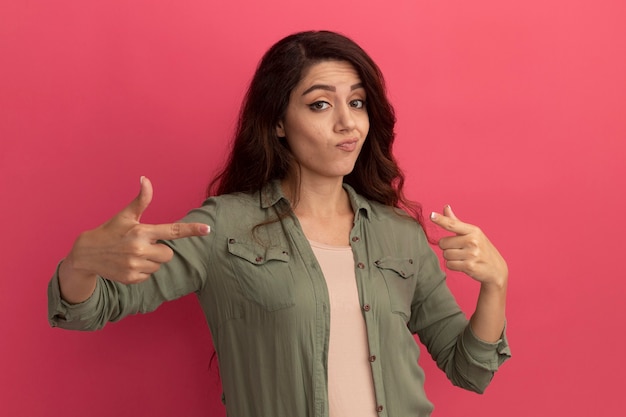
(411, 261)
(366, 307)
(231, 241)
(259, 258)
(372, 358)
(355, 239)
(377, 262)
(360, 265)
(379, 408)
(285, 252)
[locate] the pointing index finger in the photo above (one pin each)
(174, 231)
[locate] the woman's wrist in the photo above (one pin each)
(75, 285)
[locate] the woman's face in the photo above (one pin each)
(326, 121)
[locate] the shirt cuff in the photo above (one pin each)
(61, 313)
(486, 354)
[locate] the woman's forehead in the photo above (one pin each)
(329, 73)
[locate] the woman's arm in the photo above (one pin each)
(122, 249)
(123, 252)
(469, 251)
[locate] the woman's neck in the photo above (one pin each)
(323, 209)
(322, 198)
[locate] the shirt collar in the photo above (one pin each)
(272, 193)
(359, 203)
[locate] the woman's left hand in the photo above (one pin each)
(469, 251)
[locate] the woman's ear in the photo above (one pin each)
(280, 130)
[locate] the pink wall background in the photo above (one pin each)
(514, 113)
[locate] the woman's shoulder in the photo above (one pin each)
(233, 199)
(235, 208)
(392, 216)
(379, 213)
(395, 222)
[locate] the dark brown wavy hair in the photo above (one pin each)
(258, 156)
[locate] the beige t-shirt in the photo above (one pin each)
(350, 383)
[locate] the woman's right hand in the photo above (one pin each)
(122, 249)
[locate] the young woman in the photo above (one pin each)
(312, 277)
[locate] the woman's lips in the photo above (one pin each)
(348, 145)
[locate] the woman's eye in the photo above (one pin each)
(357, 104)
(319, 105)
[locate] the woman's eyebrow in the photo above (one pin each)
(329, 88)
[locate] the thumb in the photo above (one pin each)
(136, 207)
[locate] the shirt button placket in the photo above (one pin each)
(366, 307)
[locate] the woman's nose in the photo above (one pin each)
(345, 118)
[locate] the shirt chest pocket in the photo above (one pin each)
(399, 277)
(263, 273)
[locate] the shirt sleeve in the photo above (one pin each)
(72, 316)
(444, 329)
(112, 301)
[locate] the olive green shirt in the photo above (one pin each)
(266, 303)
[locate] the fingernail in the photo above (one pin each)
(433, 216)
(141, 180)
(206, 229)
